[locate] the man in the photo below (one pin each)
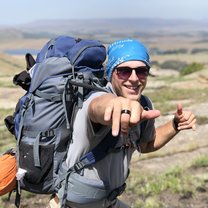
(120, 112)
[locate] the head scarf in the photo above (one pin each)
(125, 50)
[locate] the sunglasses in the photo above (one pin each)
(125, 72)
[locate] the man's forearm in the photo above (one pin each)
(163, 135)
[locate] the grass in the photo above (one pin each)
(200, 162)
(172, 79)
(147, 188)
(189, 58)
(201, 120)
(5, 112)
(165, 98)
(6, 81)
(6, 84)
(168, 94)
(7, 140)
(172, 180)
(194, 67)
(10, 65)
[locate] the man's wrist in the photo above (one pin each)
(175, 125)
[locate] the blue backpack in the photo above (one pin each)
(64, 72)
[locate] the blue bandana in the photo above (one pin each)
(125, 50)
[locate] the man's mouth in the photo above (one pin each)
(132, 87)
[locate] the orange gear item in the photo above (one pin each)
(7, 173)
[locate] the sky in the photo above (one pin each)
(25, 11)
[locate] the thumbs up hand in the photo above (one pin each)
(184, 119)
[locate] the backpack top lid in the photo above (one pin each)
(62, 45)
(81, 55)
(89, 53)
(80, 52)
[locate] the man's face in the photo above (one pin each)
(129, 79)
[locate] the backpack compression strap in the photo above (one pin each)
(83, 85)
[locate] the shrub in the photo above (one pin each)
(191, 68)
(199, 50)
(154, 63)
(201, 161)
(173, 64)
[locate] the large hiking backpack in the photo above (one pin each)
(64, 72)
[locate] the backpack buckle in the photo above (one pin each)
(78, 166)
(48, 133)
(116, 192)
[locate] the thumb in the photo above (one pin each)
(150, 114)
(179, 109)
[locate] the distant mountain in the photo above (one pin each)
(115, 25)
(103, 28)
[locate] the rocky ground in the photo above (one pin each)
(184, 148)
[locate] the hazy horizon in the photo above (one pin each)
(23, 11)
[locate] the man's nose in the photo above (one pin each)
(133, 76)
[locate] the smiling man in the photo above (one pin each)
(122, 112)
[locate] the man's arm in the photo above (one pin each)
(182, 119)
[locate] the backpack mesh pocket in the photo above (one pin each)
(36, 175)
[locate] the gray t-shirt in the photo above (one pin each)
(111, 171)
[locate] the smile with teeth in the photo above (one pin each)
(132, 87)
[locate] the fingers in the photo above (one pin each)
(113, 114)
(137, 115)
(125, 123)
(125, 113)
(194, 126)
(188, 125)
(116, 120)
(187, 121)
(108, 113)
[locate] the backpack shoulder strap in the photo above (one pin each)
(97, 153)
(146, 103)
(102, 149)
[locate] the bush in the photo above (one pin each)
(154, 63)
(173, 64)
(166, 52)
(191, 68)
(201, 161)
(199, 50)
